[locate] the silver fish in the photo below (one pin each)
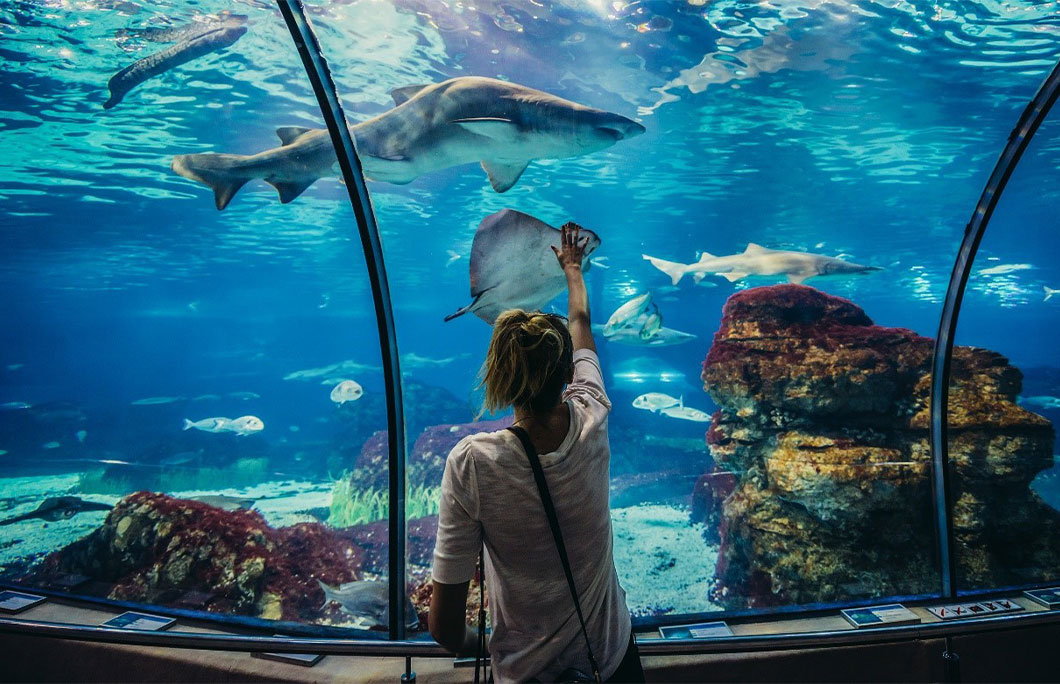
(225, 502)
(628, 312)
(367, 600)
(502, 125)
(686, 413)
(654, 401)
(216, 424)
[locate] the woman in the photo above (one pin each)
(489, 495)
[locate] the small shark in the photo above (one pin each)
(502, 125)
(204, 43)
(58, 508)
(367, 600)
(225, 502)
(759, 260)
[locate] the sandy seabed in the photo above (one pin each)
(663, 562)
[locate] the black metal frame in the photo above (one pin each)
(1036, 112)
(324, 86)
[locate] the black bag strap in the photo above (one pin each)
(553, 522)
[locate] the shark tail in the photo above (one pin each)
(218, 171)
(1049, 292)
(671, 268)
(188, 424)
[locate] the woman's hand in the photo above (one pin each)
(572, 246)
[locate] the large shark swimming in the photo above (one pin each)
(759, 260)
(503, 126)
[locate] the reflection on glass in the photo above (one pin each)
(1003, 409)
(193, 400)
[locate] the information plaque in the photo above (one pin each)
(1050, 598)
(890, 615)
(16, 601)
(143, 621)
(700, 630)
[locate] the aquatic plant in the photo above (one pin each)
(351, 505)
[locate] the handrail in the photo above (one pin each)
(324, 86)
(428, 649)
(1036, 111)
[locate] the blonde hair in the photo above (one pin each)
(528, 363)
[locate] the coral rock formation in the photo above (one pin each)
(152, 546)
(824, 427)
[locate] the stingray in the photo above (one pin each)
(512, 266)
(58, 508)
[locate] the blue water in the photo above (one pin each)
(858, 128)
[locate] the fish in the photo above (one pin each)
(155, 401)
(180, 458)
(158, 63)
(207, 397)
(654, 401)
(600, 262)
(663, 337)
(81, 434)
(1002, 269)
(244, 396)
(651, 326)
(224, 502)
(1042, 401)
(686, 413)
(502, 125)
(335, 370)
(414, 360)
(628, 312)
(453, 257)
(293, 428)
(15, 406)
(216, 424)
(244, 425)
(759, 260)
(347, 390)
(3, 452)
(15, 366)
(512, 266)
(50, 445)
(54, 509)
(367, 600)
(1049, 292)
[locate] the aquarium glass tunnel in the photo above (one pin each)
(250, 253)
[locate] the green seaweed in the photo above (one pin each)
(354, 506)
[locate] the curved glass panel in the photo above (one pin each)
(1005, 384)
(857, 131)
(192, 402)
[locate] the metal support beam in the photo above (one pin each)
(331, 109)
(1036, 112)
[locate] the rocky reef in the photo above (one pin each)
(153, 548)
(822, 486)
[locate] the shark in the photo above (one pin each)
(759, 260)
(503, 126)
(210, 40)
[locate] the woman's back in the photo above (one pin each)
(536, 632)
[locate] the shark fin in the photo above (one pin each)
(493, 127)
(698, 276)
(733, 277)
(705, 257)
(290, 189)
(671, 268)
(754, 248)
(798, 278)
(224, 191)
(403, 95)
(503, 176)
(288, 134)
